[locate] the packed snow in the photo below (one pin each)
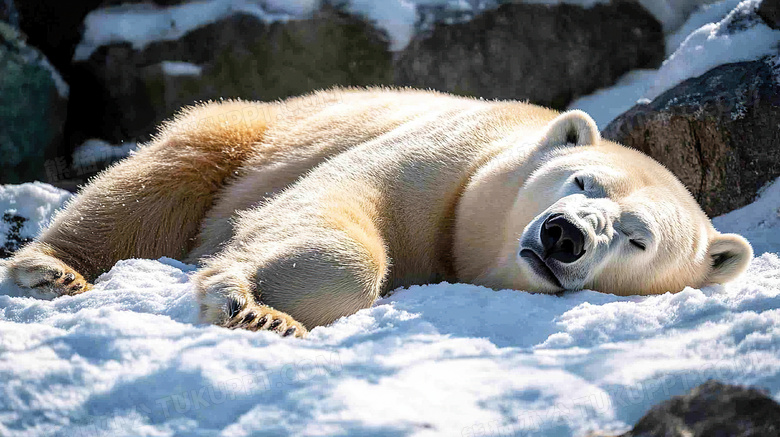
(129, 358)
(722, 33)
(34, 202)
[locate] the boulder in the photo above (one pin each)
(769, 11)
(8, 12)
(717, 132)
(54, 27)
(546, 54)
(712, 409)
(33, 109)
(129, 90)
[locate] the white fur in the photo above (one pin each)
(309, 209)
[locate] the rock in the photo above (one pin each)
(546, 54)
(54, 27)
(33, 109)
(14, 239)
(8, 12)
(712, 409)
(719, 132)
(129, 90)
(769, 11)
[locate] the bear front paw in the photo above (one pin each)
(45, 276)
(260, 317)
(226, 299)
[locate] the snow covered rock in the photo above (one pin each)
(716, 132)
(33, 107)
(724, 32)
(54, 27)
(134, 83)
(711, 409)
(548, 54)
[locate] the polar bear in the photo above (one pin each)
(303, 211)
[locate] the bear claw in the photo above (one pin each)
(260, 318)
(69, 277)
(46, 276)
(262, 322)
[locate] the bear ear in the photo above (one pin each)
(572, 128)
(730, 255)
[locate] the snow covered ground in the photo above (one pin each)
(129, 358)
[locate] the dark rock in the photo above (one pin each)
(14, 239)
(769, 11)
(33, 108)
(717, 132)
(712, 409)
(54, 27)
(8, 12)
(121, 93)
(546, 54)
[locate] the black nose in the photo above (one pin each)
(562, 240)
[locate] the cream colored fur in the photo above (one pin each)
(307, 210)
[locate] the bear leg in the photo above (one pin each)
(226, 299)
(149, 205)
(35, 268)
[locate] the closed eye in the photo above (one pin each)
(580, 183)
(639, 244)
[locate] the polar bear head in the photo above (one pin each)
(587, 213)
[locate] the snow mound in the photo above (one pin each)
(726, 32)
(26, 209)
(759, 222)
(130, 358)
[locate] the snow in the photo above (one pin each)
(396, 17)
(143, 24)
(738, 36)
(177, 68)
(130, 358)
(606, 104)
(705, 15)
(96, 151)
(34, 201)
(762, 228)
(672, 13)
